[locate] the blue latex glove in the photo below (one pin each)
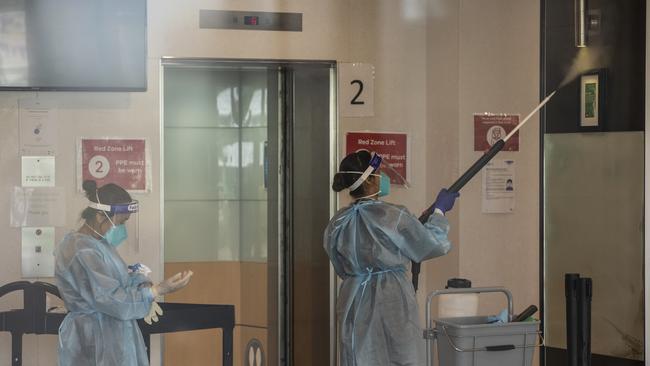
(501, 318)
(445, 200)
(139, 268)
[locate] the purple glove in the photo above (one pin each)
(445, 200)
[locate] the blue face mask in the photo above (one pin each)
(384, 185)
(116, 235)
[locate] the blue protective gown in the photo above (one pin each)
(370, 244)
(103, 301)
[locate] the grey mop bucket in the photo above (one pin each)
(473, 341)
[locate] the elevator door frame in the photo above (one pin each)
(284, 200)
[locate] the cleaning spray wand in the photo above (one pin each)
(471, 172)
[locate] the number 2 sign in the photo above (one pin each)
(356, 89)
(124, 162)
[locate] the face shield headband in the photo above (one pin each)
(376, 162)
(118, 208)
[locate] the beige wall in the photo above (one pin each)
(225, 281)
(442, 131)
(484, 57)
(436, 64)
(499, 72)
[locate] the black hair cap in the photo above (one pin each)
(355, 162)
(108, 194)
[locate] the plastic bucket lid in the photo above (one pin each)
(458, 283)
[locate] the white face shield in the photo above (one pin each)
(376, 166)
(133, 225)
(120, 208)
(116, 208)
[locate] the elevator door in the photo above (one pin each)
(308, 137)
(246, 198)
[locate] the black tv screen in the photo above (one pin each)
(85, 45)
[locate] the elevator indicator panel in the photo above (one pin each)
(250, 20)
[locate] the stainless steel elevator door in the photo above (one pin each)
(246, 202)
(308, 134)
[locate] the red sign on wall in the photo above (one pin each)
(119, 161)
(490, 128)
(391, 146)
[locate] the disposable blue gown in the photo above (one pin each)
(103, 301)
(370, 245)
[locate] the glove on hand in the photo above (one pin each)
(445, 200)
(154, 313)
(172, 284)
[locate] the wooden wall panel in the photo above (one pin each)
(242, 284)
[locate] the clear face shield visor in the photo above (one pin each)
(378, 166)
(133, 226)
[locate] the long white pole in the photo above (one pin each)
(529, 116)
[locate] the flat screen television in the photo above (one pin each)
(73, 45)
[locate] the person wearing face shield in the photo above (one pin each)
(370, 244)
(103, 299)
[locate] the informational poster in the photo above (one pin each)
(124, 162)
(37, 207)
(38, 127)
(499, 186)
(356, 89)
(392, 146)
(490, 128)
(38, 171)
(37, 252)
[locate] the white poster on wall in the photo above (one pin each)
(499, 185)
(38, 171)
(356, 89)
(37, 252)
(38, 127)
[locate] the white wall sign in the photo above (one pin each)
(499, 186)
(37, 252)
(38, 171)
(38, 127)
(356, 89)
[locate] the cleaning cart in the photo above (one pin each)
(477, 340)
